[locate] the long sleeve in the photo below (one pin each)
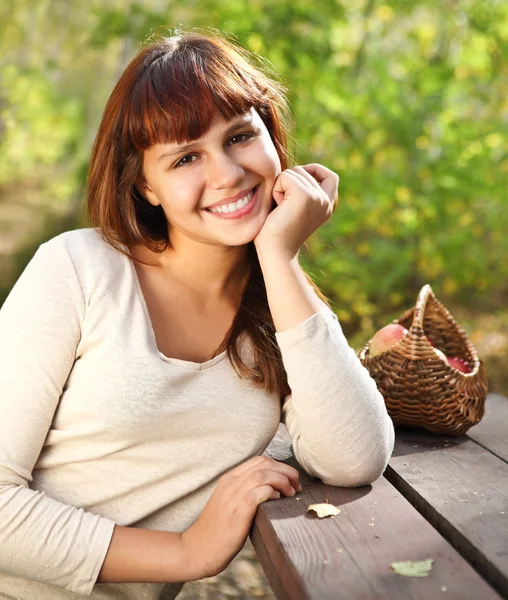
(40, 326)
(335, 414)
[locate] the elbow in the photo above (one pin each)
(374, 463)
(361, 468)
(358, 476)
(354, 476)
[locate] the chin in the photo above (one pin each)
(242, 241)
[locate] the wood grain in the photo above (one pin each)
(492, 431)
(462, 490)
(349, 556)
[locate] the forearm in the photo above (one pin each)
(335, 414)
(142, 555)
(291, 298)
(335, 408)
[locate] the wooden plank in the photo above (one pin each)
(492, 431)
(280, 572)
(349, 556)
(462, 490)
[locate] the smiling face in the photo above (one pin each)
(214, 172)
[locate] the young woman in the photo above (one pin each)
(144, 358)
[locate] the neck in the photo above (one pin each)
(207, 272)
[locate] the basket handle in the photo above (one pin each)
(421, 302)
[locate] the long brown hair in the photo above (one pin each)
(170, 92)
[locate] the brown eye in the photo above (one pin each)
(248, 136)
(181, 163)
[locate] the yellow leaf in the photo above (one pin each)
(324, 510)
(384, 13)
(422, 142)
(450, 286)
(403, 194)
(494, 140)
(466, 219)
(356, 160)
(255, 43)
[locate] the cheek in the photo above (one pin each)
(269, 159)
(183, 193)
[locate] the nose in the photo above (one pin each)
(224, 171)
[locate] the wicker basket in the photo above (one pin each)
(419, 388)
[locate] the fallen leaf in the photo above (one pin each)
(324, 510)
(409, 568)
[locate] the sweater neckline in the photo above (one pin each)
(187, 364)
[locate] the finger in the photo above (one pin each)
(319, 172)
(252, 499)
(310, 182)
(275, 495)
(280, 481)
(316, 186)
(301, 171)
(270, 464)
(248, 464)
(303, 180)
(327, 179)
(286, 179)
(261, 462)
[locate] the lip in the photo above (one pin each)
(245, 210)
(238, 196)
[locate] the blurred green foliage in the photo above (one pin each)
(407, 101)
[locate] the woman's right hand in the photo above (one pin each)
(219, 533)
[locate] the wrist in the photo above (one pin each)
(193, 557)
(274, 253)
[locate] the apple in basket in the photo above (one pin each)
(460, 364)
(385, 338)
(457, 363)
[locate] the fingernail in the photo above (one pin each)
(292, 491)
(299, 488)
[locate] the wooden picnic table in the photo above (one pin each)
(441, 497)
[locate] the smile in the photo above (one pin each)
(236, 209)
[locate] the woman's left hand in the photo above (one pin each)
(306, 197)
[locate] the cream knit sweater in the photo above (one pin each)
(98, 427)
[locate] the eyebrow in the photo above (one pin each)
(231, 129)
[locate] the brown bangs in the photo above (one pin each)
(178, 97)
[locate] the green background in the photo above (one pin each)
(407, 101)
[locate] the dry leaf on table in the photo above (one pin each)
(324, 510)
(410, 568)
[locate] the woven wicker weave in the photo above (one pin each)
(419, 388)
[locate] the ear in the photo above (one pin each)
(146, 191)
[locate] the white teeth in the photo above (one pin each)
(233, 206)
